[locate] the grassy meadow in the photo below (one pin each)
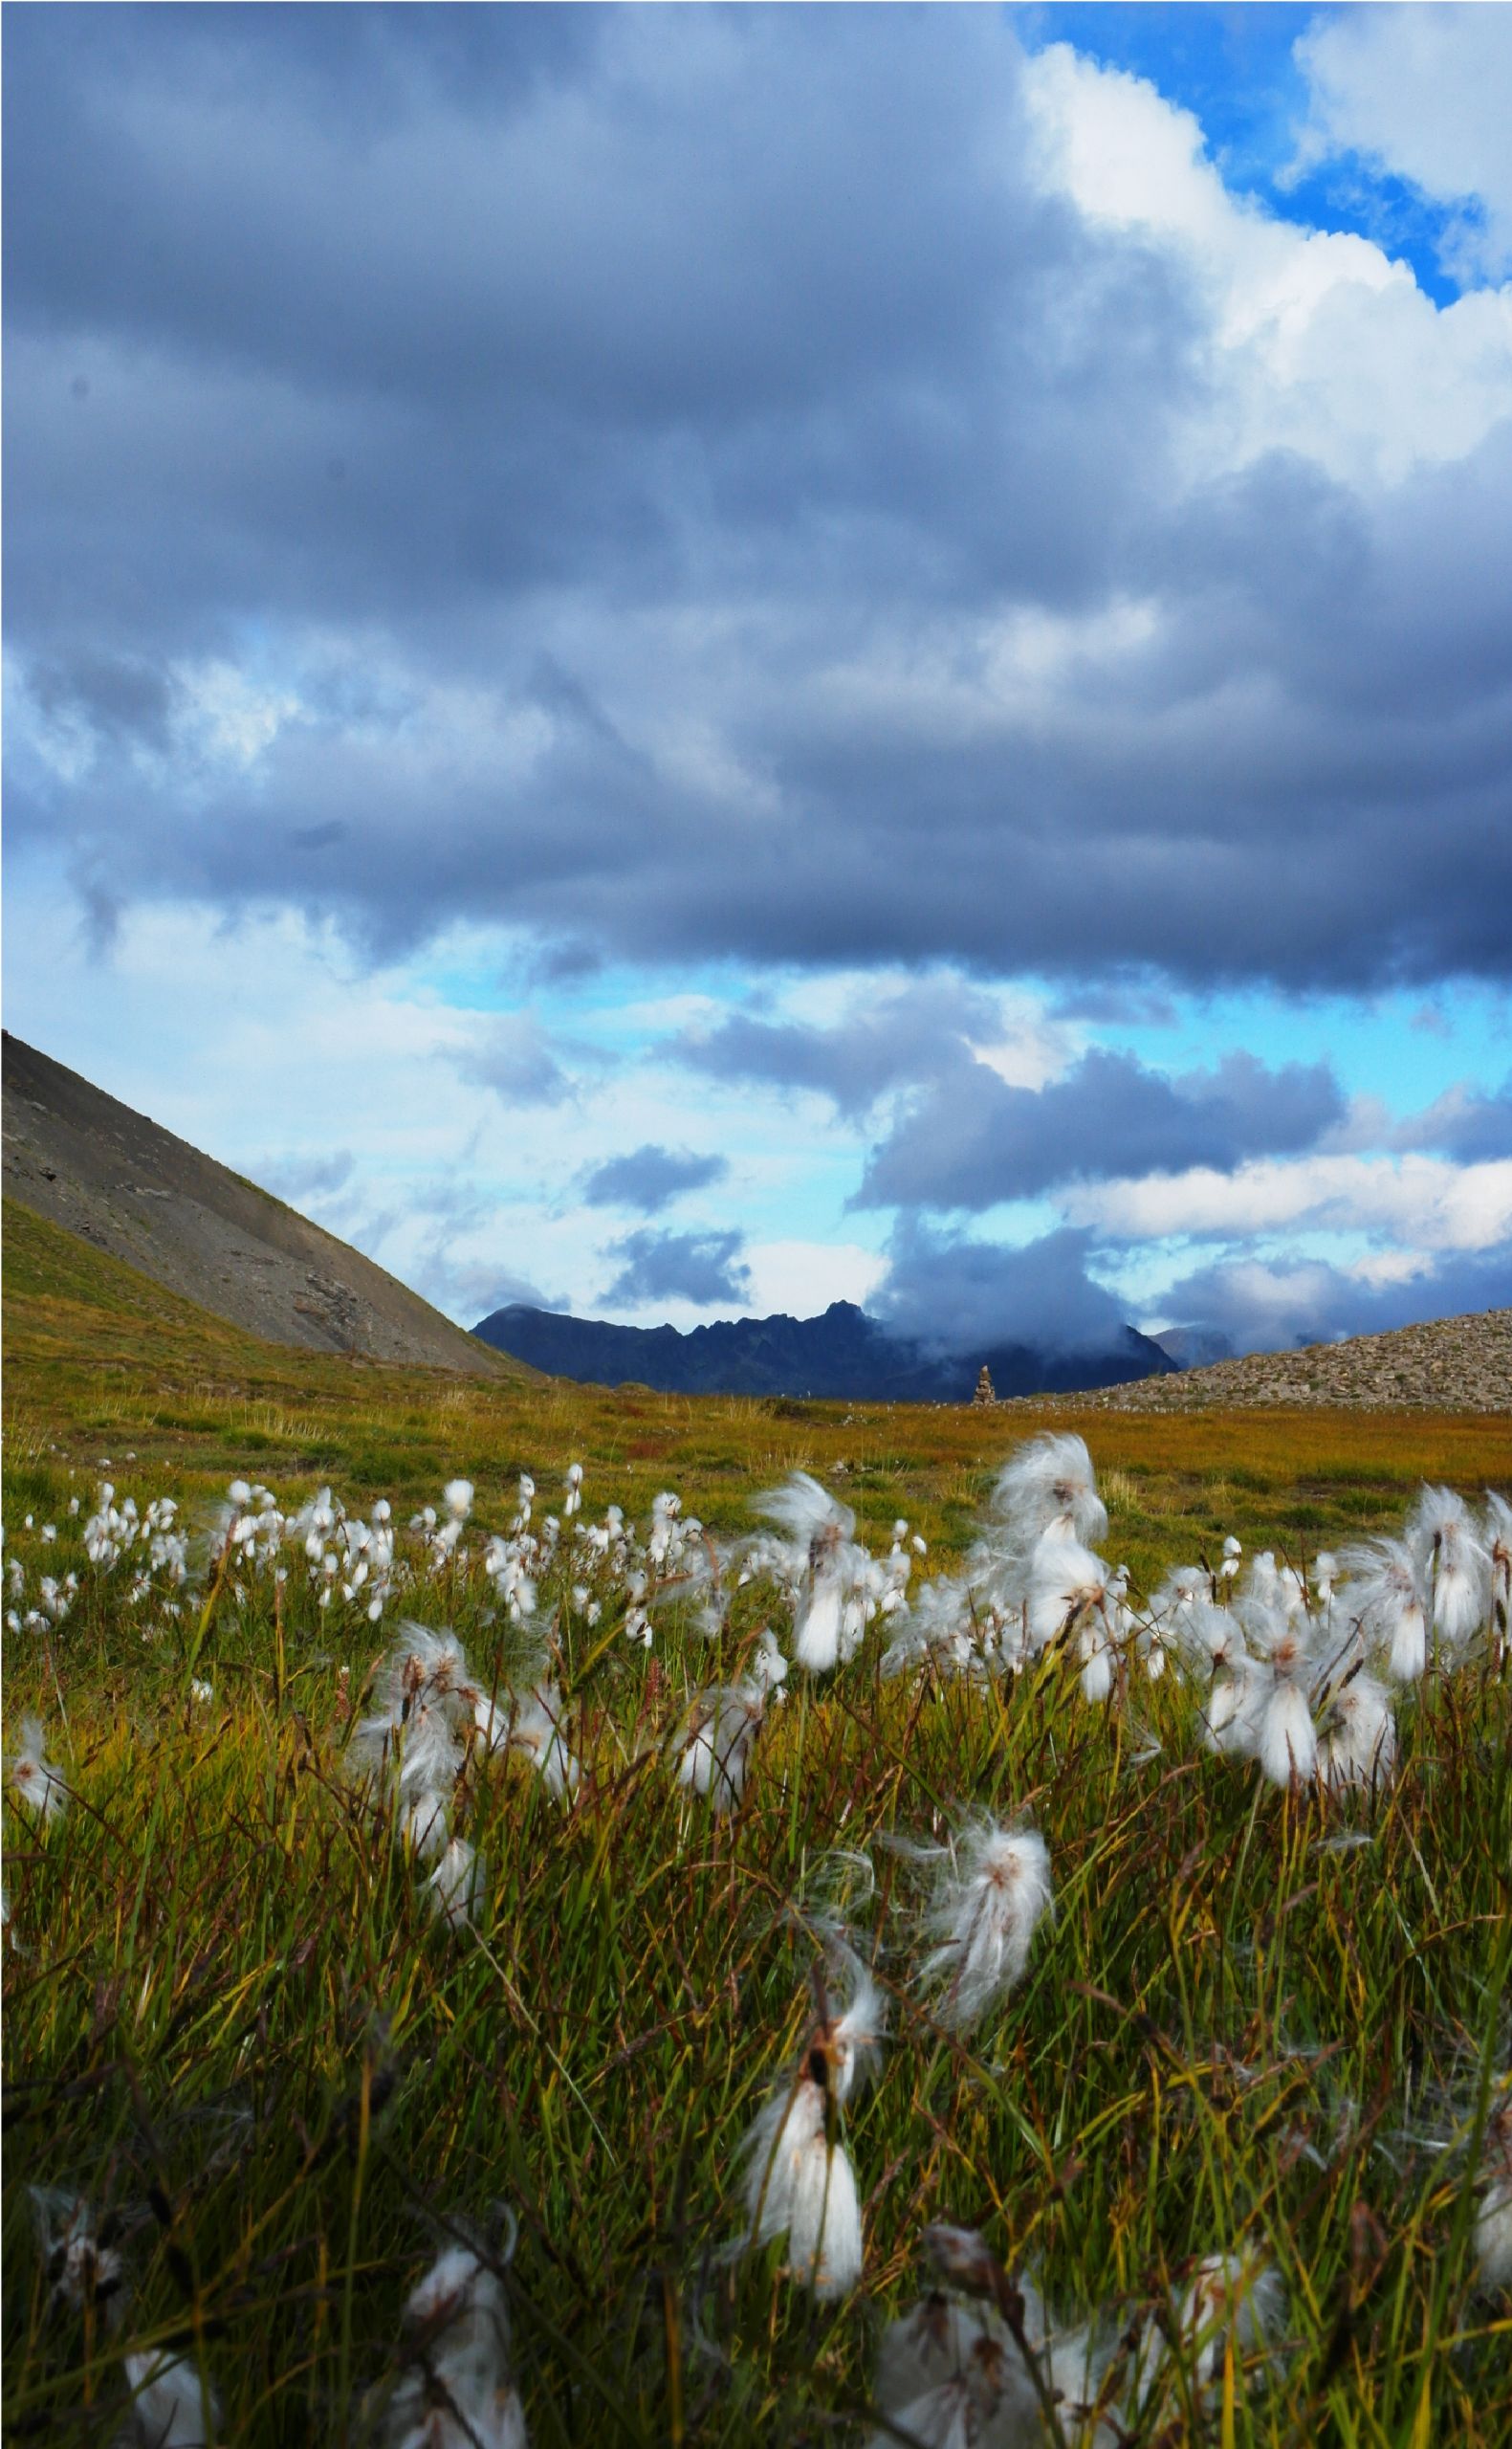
(1265, 2019)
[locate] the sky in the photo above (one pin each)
(686, 662)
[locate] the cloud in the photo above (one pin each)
(472, 1290)
(1422, 91)
(799, 486)
(651, 1177)
(1416, 1200)
(699, 1268)
(1115, 1002)
(1306, 321)
(297, 1178)
(120, 697)
(801, 1279)
(910, 1033)
(514, 1057)
(973, 1140)
(1262, 1305)
(1464, 1123)
(956, 1294)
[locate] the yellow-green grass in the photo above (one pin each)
(231, 2015)
(101, 1363)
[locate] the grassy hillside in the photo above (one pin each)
(97, 1355)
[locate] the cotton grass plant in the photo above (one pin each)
(501, 1886)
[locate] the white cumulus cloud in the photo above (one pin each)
(1319, 344)
(1425, 1203)
(1426, 92)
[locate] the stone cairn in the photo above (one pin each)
(984, 1387)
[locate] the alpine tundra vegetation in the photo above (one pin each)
(550, 1961)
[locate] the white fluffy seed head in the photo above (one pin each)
(1359, 1741)
(1287, 1741)
(1493, 2229)
(716, 1751)
(1453, 1563)
(950, 2376)
(424, 1824)
(1496, 1540)
(800, 2184)
(990, 1899)
(1069, 1587)
(1236, 1704)
(856, 2035)
(1074, 2363)
(456, 1885)
(458, 2390)
(824, 2241)
(1230, 2297)
(1384, 1597)
(424, 1746)
(1096, 1651)
(819, 1623)
(1050, 1483)
(169, 2408)
(1494, 2236)
(84, 2273)
(36, 1780)
(798, 2180)
(805, 1511)
(537, 1728)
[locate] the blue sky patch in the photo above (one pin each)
(1234, 68)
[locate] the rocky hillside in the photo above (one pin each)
(1447, 1365)
(83, 1160)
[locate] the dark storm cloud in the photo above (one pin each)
(966, 1140)
(972, 1140)
(117, 697)
(701, 292)
(920, 1030)
(701, 1268)
(621, 433)
(651, 1177)
(955, 1295)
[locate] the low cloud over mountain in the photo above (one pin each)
(842, 1354)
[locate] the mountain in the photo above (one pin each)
(82, 1160)
(842, 1354)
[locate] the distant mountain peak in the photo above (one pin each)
(844, 1354)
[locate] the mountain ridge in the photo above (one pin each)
(843, 1354)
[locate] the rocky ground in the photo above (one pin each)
(1450, 1365)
